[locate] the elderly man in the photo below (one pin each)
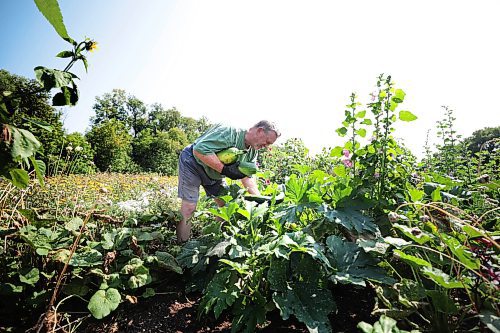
(199, 165)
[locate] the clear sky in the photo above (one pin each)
(293, 62)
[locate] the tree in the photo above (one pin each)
(159, 152)
(137, 113)
(111, 143)
(161, 119)
(110, 106)
(478, 138)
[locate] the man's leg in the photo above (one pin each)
(184, 226)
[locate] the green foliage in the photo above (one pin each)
(111, 143)
(159, 152)
(278, 161)
(383, 325)
(157, 134)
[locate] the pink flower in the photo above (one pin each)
(347, 163)
(268, 182)
(345, 152)
(376, 175)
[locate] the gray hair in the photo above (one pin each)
(268, 126)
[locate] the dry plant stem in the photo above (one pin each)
(6, 193)
(61, 275)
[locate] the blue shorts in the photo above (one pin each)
(192, 175)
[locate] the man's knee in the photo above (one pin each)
(188, 209)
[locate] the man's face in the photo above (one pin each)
(263, 139)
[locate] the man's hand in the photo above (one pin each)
(232, 171)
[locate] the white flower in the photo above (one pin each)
(78, 148)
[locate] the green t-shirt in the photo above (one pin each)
(219, 138)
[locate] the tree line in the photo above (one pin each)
(125, 134)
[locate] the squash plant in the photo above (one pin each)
(282, 256)
(108, 263)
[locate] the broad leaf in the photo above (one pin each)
(167, 261)
(442, 302)
(303, 297)
(353, 264)
(407, 116)
(361, 132)
(441, 278)
(74, 224)
(24, 144)
(221, 292)
(19, 178)
(416, 234)
(86, 258)
(411, 260)
(54, 78)
(350, 218)
(103, 302)
(50, 9)
(31, 277)
(461, 252)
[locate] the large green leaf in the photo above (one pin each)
(416, 234)
(31, 277)
(441, 278)
(167, 261)
(304, 297)
(219, 250)
(353, 264)
(193, 254)
(103, 302)
(308, 303)
(67, 96)
(40, 169)
(86, 258)
(249, 311)
(460, 251)
(277, 274)
(74, 224)
(24, 144)
(221, 292)
(53, 78)
(350, 218)
(42, 124)
(296, 189)
(50, 9)
(407, 116)
(411, 260)
(19, 178)
(140, 277)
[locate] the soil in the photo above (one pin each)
(176, 312)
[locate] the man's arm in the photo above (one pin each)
(211, 160)
(251, 186)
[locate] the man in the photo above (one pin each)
(199, 165)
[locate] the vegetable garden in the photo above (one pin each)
(416, 239)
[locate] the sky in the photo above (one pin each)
(292, 62)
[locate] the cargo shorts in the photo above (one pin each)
(192, 175)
